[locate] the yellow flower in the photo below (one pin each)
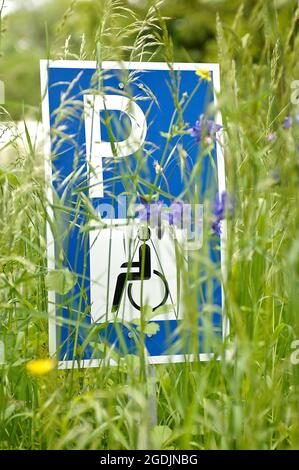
(204, 74)
(40, 366)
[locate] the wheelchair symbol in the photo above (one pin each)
(144, 273)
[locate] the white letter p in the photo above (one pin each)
(96, 149)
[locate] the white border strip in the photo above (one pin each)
(152, 360)
(49, 194)
(221, 189)
(44, 65)
(114, 65)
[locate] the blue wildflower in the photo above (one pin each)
(223, 206)
(152, 215)
(272, 137)
(176, 214)
(287, 123)
(216, 227)
(150, 212)
(275, 175)
(219, 206)
(156, 213)
(204, 128)
(144, 211)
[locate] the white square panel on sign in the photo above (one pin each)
(119, 244)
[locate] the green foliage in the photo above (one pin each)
(69, 29)
(60, 281)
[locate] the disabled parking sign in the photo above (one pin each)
(129, 185)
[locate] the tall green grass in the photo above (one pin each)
(248, 399)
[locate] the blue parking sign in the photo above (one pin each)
(128, 183)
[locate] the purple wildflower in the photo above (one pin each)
(219, 205)
(145, 210)
(287, 123)
(275, 175)
(153, 214)
(223, 206)
(216, 227)
(204, 128)
(150, 212)
(272, 137)
(176, 214)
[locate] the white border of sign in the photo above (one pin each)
(44, 65)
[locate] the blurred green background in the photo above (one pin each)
(35, 29)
